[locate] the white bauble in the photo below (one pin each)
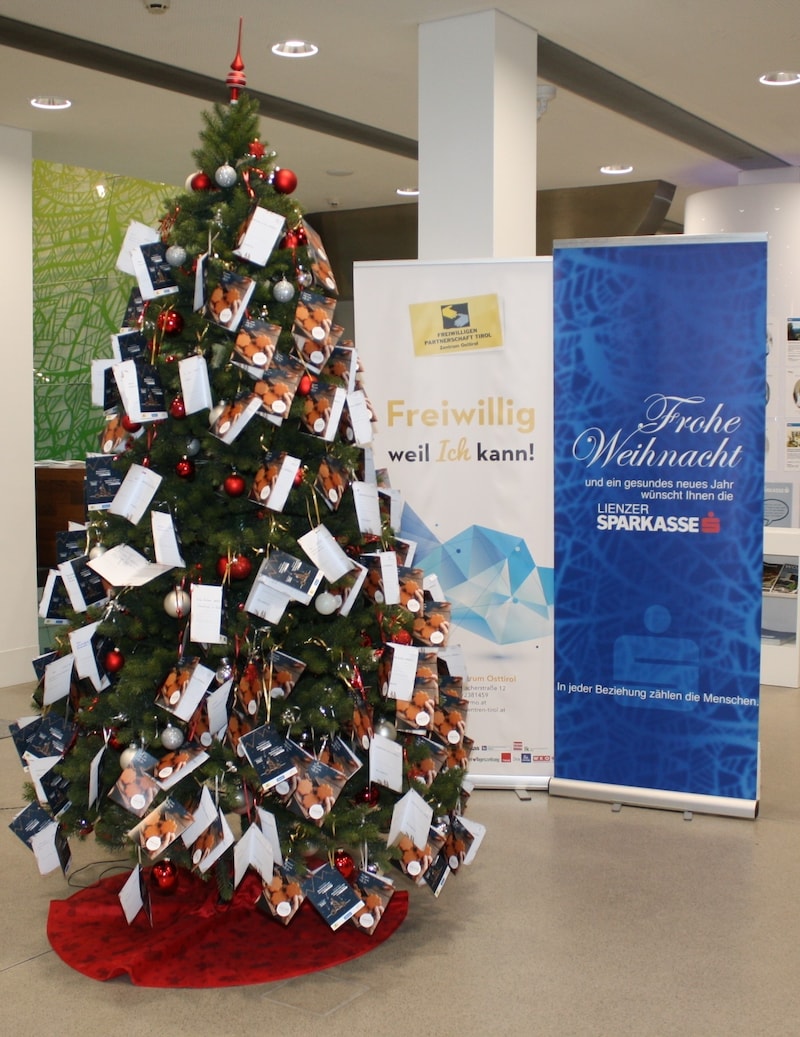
(177, 603)
(326, 603)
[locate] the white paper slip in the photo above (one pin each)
(386, 763)
(195, 384)
(133, 497)
(123, 566)
(206, 614)
(368, 512)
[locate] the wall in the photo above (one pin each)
(18, 624)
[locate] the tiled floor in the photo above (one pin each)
(574, 920)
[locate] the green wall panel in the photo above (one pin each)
(79, 295)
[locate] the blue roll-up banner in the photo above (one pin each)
(660, 374)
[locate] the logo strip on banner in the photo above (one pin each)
(659, 473)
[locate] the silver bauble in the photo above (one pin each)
(224, 671)
(283, 291)
(192, 448)
(175, 255)
(172, 737)
(97, 550)
(386, 729)
(225, 176)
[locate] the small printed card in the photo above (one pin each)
(228, 301)
(375, 892)
(135, 493)
(175, 765)
(274, 480)
(283, 673)
(123, 566)
(160, 827)
(294, 577)
(432, 627)
(135, 789)
(277, 386)
(332, 895)
(153, 273)
(195, 384)
(313, 321)
(317, 789)
(84, 586)
(269, 755)
(102, 482)
(137, 234)
(255, 343)
(258, 236)
(320, 264)
(283, 895)
(326, 553)
(234, 417)
(332, 481)
(322, 410)
(184, 687)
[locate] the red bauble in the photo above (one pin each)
(402, 637)
(170, 322)
(114, 741)
(302, 237)
(239, 567)
(256, 149)
(201, 182)
(370, 794)
(178, 408)
(305, 383)
(114, 661)
(284, 181)
(184, 469)
(290, 240)
(299, 476)
(128, 425)
(344, 864)
(234, 485)
(164, 877)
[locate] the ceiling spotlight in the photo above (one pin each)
(616, 170)
(51, 103)
(780, 78)
(544, 95)
(156, 6)
(295, 49)
(407, 192)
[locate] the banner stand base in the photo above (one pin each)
(512, 783)
(659, 799)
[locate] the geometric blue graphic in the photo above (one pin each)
(491, 580)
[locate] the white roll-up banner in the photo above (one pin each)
(457, 361)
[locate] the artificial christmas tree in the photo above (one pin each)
(253, 672)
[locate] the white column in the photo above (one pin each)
(18, 618)
(477, 137)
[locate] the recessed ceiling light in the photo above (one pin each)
(616, 170)
(407, 192)
(295, 49)
(780, 78)
(52, 103)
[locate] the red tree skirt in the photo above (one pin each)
(197, 942)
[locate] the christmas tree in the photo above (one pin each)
(250, 637)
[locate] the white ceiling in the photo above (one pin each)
(703, 56)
